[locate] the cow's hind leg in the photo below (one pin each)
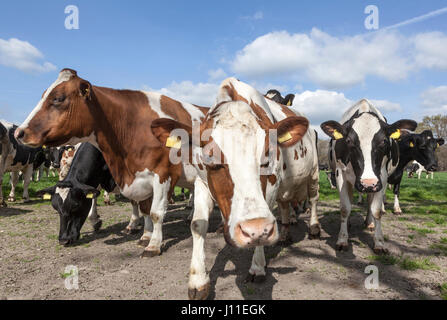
(14, 179)
(27, 176)
(93, 216)
(134, 219)
(284, 211)
(157, 212)
(145, 208)
(314, 195)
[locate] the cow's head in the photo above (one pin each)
(73, 202)
(242, 164)
(275, 95)
(422, 148)
(366, 141)
(61, 115)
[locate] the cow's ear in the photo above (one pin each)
(288, 100)
(333, 129)
(291, 130)
(440, 142)
(171, 133)
(85, 90)
(89, 191)
(46, 193)
(394, 130)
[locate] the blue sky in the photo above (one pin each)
(319, 50)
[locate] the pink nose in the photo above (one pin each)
(256, 232)
(369, 183)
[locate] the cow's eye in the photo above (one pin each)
(58, 99)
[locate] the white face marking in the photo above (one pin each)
(63, 193)
(242, 140)
(63, 76)
(154, 103)
(366, 126)
(141, 187)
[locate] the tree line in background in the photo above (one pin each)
(437, 124)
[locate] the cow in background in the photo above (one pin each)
(363, 154)
(277, 97)
(419, 147)
(16, 157)
(74, 198)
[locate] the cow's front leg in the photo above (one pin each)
(107, 201)
(14, 179)
(157, 212)
(257, 269)
(145, 207)
(134, 219)
(345, 211)
(27, 176)
(199, 280)
(397, 210)
(376, 206)
(93, 216)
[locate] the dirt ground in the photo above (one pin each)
(32, 263)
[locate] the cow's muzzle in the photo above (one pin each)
(256, 232)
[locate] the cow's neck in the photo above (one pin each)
(118, 118)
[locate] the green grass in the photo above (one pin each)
(425, 197)
(443, 288)
(384, 259)
(418, 263)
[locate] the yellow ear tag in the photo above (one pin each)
(285, 137)
(437, 145)
(44, 147)
(89, 195)
(288, 103)
(395, 135)
(337, 135)
(411, 144)
(47, 196)
(173, 142)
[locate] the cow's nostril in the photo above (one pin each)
(19, 133)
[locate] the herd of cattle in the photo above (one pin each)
(247, 153)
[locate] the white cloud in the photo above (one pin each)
(22, 55)
(218, 74)
(434, 100)
(202, 94)
(384, 105)
(340, 62)
(258, 15)
(431, 50)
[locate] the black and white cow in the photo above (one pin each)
(277, 97)
(420, 148)
(74, 198)
(363, 153)
(16, 157)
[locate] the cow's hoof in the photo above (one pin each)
(342, 246)
(143, 242)
(97, 226)
(129, 231)
(107, 203)
(370, 227)
(397, 212)
(254, 278)
(380, 250)
(151, 252)
(315, 231)
(199, 293)
(4, 205)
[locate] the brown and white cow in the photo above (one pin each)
(118, 123)
(249, 152)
